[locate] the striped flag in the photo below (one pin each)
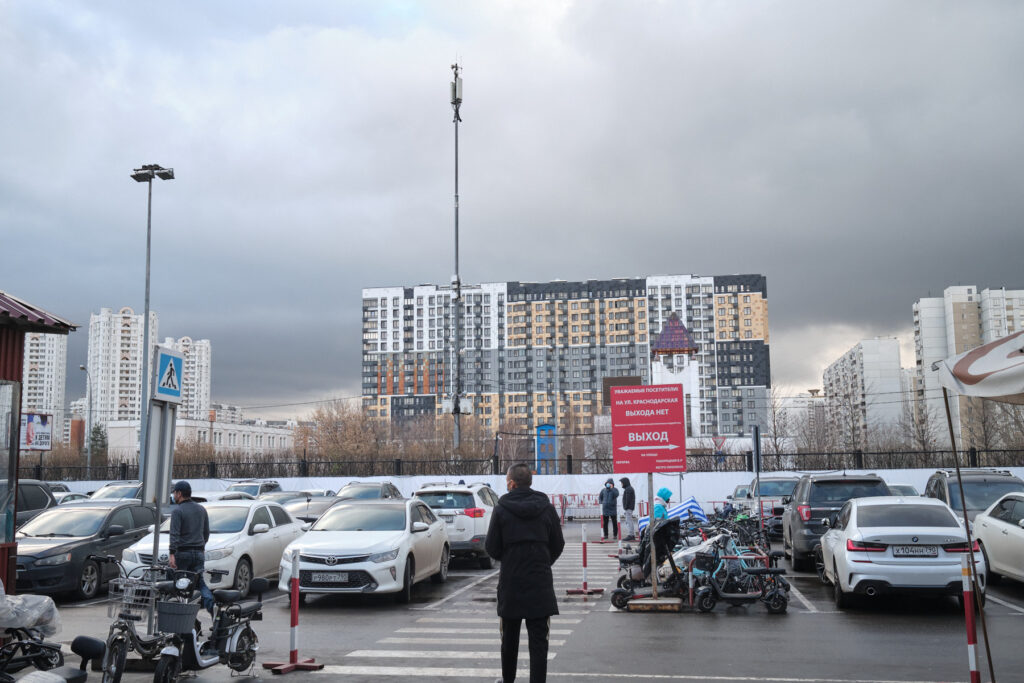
(688, 508)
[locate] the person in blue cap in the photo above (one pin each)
(661, 503)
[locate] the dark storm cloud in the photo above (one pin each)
(856, 154)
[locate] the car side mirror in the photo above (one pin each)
(786, 500)
(115, 530)
(750, 495)
(307, 526)
(259, 529)
(826, 522)
(419, 526)
(1020, 523)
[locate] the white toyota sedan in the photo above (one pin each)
(247, 538)
(370, 546)
(1000, 531)
(892, 544)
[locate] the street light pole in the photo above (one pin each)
(88, 432)
(146, 175)
(456, 88)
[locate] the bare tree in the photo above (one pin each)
(778, 426)
(919, 425)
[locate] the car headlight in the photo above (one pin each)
(384, 557)
(53, 560)
(219, 554)
(130, 556)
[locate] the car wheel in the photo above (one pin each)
(798, 562)
(243, 576)
(114, 660)
(442, 570)
(89, 582)
(486, 562)
(819, 563)
(405, 595)
(841, 597)
(785, 547)
(991, 576)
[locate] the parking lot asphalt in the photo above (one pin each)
(450, 633)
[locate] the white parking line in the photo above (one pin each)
(801, 598)
(434, 605)
(1004, 603)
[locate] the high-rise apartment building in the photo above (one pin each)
(44, 376)
(115, 363)
(863, 392)
(537, 353)
(961, 319)
(195, 382)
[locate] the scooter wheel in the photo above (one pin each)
(620, 598)
(777, 604)
(706, 601)
(167, 669)
(625, 582)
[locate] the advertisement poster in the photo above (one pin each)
(36, 431)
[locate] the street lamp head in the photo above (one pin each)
(146, 173)
(165, 174)
(142, 175)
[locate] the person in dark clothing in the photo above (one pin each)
(190, 530)
(608, 498)
(526, 536)
(628, 505)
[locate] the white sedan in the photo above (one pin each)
(1000, 531)
(370, 546)
(892, 544)
(247, 538)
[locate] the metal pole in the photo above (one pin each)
(456, 283)
(143, 416)
(88, 443)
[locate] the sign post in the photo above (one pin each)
(649, 435)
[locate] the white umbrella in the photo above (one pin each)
(994, 371)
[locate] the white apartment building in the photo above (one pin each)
(227, 414)
(44, 375)
(252, 439)
(115, 364)
(958, 321)
(195, 383)
(863, 391)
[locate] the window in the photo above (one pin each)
(122, 518)
(31, 497)
(261, 516)
(281, 516)
(142, 517)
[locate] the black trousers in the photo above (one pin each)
(537, 630)
(604, 526)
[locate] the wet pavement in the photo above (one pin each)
(450, 633)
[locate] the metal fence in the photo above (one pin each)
(388, 467)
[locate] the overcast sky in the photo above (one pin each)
(861, 155)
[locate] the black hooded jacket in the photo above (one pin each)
(628, 495)
(526, 536)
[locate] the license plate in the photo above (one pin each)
(915, 551)
(329, 577)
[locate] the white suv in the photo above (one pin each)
(466, 510)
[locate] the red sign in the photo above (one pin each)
(648, 428)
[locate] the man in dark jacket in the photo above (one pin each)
(526, 536)
(608, 498)
(190, 530)
(628, 505)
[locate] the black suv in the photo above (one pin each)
(773, 490)
(34, 496)
(816, 497)
(982, 487)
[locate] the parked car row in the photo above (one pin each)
(366, 539)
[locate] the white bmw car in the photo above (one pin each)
(247, 538)
(370, 546)
(892, 544)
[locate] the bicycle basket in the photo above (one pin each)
(176, 617)
(705, 562)
(132, 596)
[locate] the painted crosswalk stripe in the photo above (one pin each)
(434, 654)
(464, 620)
(468, 631)
(448, 641)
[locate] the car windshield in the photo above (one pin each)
(838, 492)
(777, 489)
(360, 491)
(447, 500)
(980, 494)
(114, 492)
(903, 490)
(251, 489)
(741, 492)
(359, 518)
(905, 515)
(65, 522)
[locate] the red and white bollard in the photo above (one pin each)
(972, 636)
(585, 590)
(293, 662)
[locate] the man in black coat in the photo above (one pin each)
(526, 536)
(628, 505)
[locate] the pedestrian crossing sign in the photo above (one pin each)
(169, 364)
